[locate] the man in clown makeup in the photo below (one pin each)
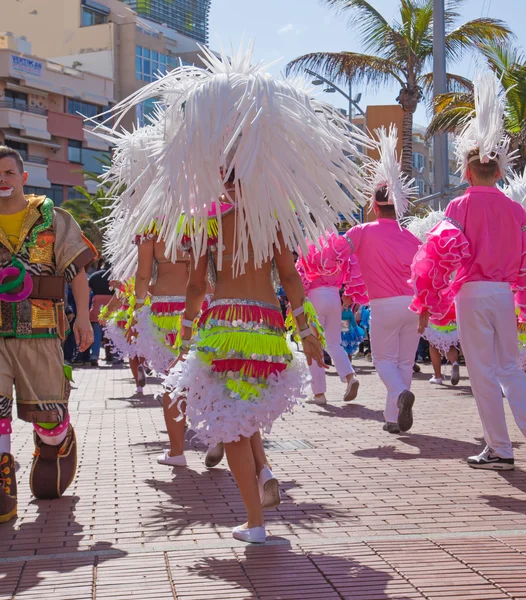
(41, 247)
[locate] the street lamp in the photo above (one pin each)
(332, 88)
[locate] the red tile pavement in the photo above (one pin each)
(365, 515)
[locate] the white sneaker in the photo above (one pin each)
(436, 380)
(171, 461)
(352, 389)
(255, 535)
(318, 399)
(455, 373)
(268, 489)
(487, 459)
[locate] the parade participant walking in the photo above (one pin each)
(41, 247)
(223, 147)
(385, 251)
(483, 240)
(324, 270)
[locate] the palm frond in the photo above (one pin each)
(455, 83)
(475, 33)
(343, 66)
(375, 32)
(449, 121)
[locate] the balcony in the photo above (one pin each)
(37, 173)
(30, 121)
(36, 160)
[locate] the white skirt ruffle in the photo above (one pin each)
(149, 345)
(217, 417)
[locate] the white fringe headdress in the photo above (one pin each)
(484, 132)
(515, 187)
(292, 157)
(421, 226)
(387, 171)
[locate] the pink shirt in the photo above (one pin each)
(385, 252)
(492, 224)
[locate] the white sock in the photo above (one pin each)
(53, 440)
(5, 443)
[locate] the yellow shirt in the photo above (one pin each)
(11, 226)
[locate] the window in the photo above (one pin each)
(421, 186)
(54, 192)
(419, 161)
(86, 109)
(75, 151)
(16, 99)
(91, 162)
(20, 147)
(148, 63)
(145, 109)
(73, 194)
(91, 17)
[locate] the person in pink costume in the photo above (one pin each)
(324, 270)
(483, 239)
(385, 251)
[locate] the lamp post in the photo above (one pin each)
(440, 146)
(332, 88)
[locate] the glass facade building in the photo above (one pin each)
(189, 17)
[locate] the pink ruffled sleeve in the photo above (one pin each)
(433, 265)
(354, 285)
(520, 284)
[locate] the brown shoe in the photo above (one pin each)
(8, 502)
(214, 455)
(53, 467)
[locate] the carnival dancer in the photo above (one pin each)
(324, 270)
(483, 239)
(241, 373)
(443, 339)
(384, 251)
(352, 334)
(41, 247)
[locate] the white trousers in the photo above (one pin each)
(328, 305)
(488, 336)
(394, 340)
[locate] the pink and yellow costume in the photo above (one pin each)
(118, 323)
(324, 271)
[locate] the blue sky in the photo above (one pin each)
(285, 29)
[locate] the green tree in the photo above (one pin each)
(453, 110)
(401, 52)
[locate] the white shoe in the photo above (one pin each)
(436, 381)
(268, 489)
(352, 389)
(254, 535)
(318, 399)
(139, 391)
(455, 373)
(172, 461)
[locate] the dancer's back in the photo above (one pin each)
(493, 225)
(172, 277)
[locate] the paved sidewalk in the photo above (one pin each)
(365, 515)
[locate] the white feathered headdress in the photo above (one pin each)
(387, 172)
(292, 156)
(484, 132)
(515, 187)
(421, 226)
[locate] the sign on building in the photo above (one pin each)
(25, 66)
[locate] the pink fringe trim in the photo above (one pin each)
(242, 312)
(167, 308)
(249, 368)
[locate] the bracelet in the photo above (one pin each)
(140, 301)
(305, 333)
(187, 323)
(298, 311)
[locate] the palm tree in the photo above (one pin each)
(90, 209)
(452, 110)
(401, 52)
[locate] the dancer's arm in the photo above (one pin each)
(82, 326)
(520, 284)
(291, 282)
(144, 271)
(195, 291)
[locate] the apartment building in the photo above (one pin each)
(110, 38)
(40, 102)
